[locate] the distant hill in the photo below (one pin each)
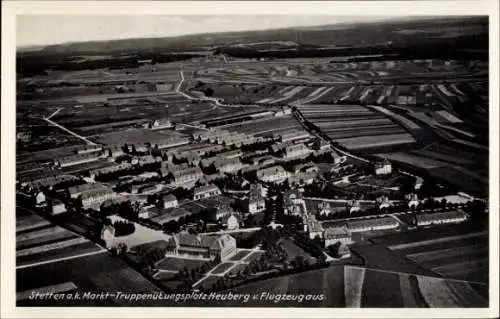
(328, 35)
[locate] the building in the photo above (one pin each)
(264, 160)
(273, 174)
(229, 165)
(295, 151)
(255, 201)
(97, 196)
(217, 247)
(363, 225)
(383, 168)
(206, 191)
(58, 207)
(76, 159)
(294, 204)
(40, 198)
(324, 208)
(312, 226)
(353, 206)
(160, 124)
(413, 201)
(232, 222)
(333, 235)
(76, 191)
(89, 149)
(114, 152)
(187, 175)
(110, 169)
(383, 202)
(457, 216)
(294, 135)
(169, 201)
(50, 180)
(169, 142)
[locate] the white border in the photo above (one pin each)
(396, 8)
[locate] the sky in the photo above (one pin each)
(54, 29)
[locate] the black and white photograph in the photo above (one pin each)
(248, 160)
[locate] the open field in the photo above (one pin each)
(359, 287)
(176, 264)
(99, 272)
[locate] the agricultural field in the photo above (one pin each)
(348, 286)
(98, 272)
(457, 257)
(266, 126)
(36, 135)
(38, 240)
(356, 127)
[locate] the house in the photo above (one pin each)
(457, 216)
(413, 201)
(169, 201)
(383, 168)
(204, 247)
(114, 152)
(40, 198)
(312, 226)
(206, 191)
(76, 159)
(333, 235)
(169, 143)
(383, 202)
(255, 201)
(363, 225)
(294, 135)
(353, 206)
(295, 151)
(110, 169)
(160, 124)
(324, 208)
(89, 149)
(294, 204)
(232, 222)
(187, 175)
(58, 207)
(95, 196)
(229, 165)
(273, 174)
(76, 191)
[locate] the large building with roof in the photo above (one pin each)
(456, 216)
(333, 235)
(273, 174)
(206, 191)
(217, 247)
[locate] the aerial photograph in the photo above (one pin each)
(217, 161)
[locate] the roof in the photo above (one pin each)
(200, 241)
(206, 188)
(383, 221)
(440, 216)
(270, 170)
(187, 171)
(85, 187)
(169, 198)
(336, 232)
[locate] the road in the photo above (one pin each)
(86, 140)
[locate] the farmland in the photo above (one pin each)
(362, 287)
